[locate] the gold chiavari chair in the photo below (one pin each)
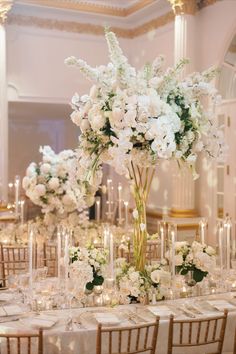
(18, 343)
(50, 259)
(128, 340)
(234, 352)
(198, 332)
(14, 260)
(151, 252)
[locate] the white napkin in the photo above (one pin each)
(42, 321)
(108, 319)
(6, 297)
(221, 305)
(161, 310)
(11, 310)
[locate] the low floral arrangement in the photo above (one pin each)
(87, 266)
(196, 258)
(135, 285)
(47, 183)
(18, 233)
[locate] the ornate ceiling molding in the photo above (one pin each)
(188, 7)
(5, 7)
(91, 7)
(87, 28)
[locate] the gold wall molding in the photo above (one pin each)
(188, 7)
(179, 213)
(87, 28)
(205, 3)
(5, 7)
(91, 7)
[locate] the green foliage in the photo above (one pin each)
(198, 274)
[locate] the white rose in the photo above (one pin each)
(54, 183)
(40, 190)
(197, 247)
(97, 122)
(85, 125)
(134, 276)
(178, 259)
(67, 200)
(45, 168)
(76, 117)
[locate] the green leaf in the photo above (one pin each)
(198, 275)
(184, 271)
(89, 286)
(98, 280)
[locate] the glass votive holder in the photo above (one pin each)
(48, 304)
(98, 289)
(233, 286)
(40, 303)
(184, 292)
(107, 299)
(98, 300)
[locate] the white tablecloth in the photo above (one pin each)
(83, 340)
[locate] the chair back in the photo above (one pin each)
(18, 343)
(198, 332)
(50, 259)
(14, 260)
(152, 252)
(128, 340)
(234, 352)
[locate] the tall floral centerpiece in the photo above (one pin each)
(131, 119)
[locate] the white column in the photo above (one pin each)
(183, 186)
(3, 117)
(5, 6)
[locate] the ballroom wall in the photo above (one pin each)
(37, 75)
